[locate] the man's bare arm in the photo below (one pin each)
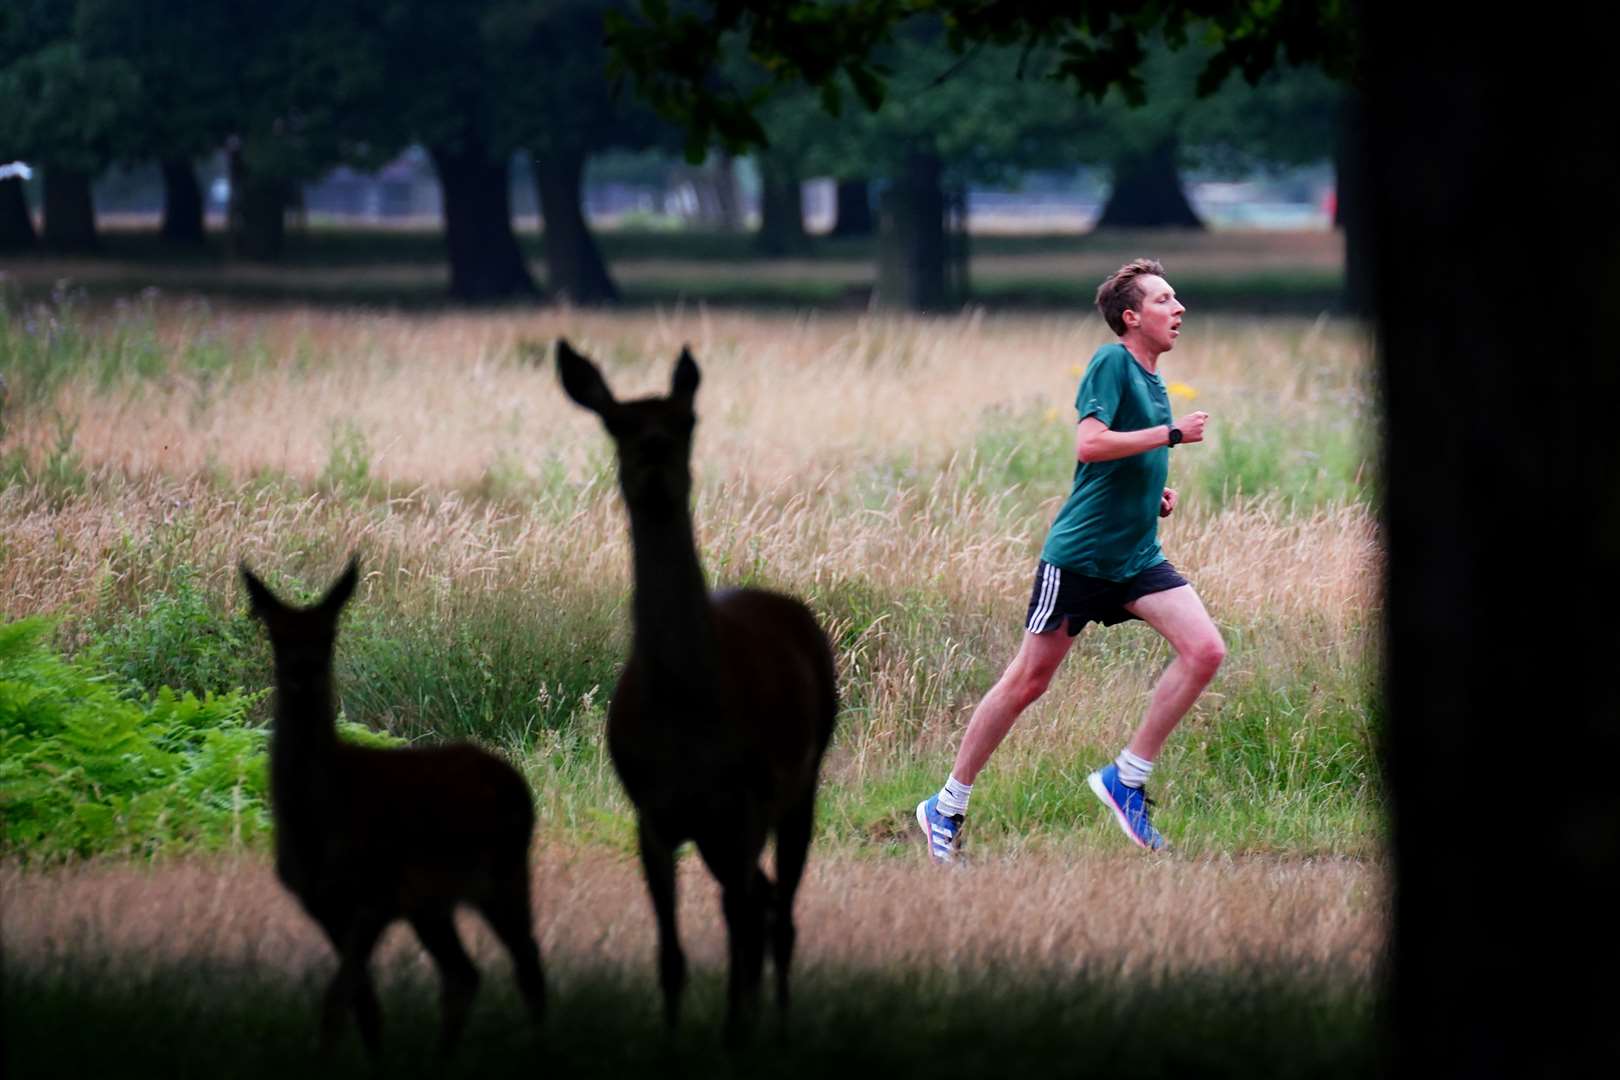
(1096, 441)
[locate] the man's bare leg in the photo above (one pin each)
(1025, 679)
(1179, 615)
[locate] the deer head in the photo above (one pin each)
(653, 435)
(301, 638)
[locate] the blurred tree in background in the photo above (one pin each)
(914, 101)
(67, 112)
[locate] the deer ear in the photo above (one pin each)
(261, 599)
(581, 380)
(342, 588)
(687, 376)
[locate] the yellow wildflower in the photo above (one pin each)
(1182, 390)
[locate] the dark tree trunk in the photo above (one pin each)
(70, 214)
(16, 226)
(574, 267)
(485, 261)
(781, 208)
(182, 204)
(912, 249)
(854, 214)
(1349, 206)
(1147, 192)
(258, 213)
(1495, 262)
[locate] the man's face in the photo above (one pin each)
(1159, 320)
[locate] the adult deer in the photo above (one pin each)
(365, 836)
(723, 711)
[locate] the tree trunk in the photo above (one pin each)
(258, 213)
(854, 215)
(957, 285)
(1349, 206)
(727, 197)
(1497, 366)
(1147, 192)
(260, 210)
(574, 267)
(781, 208)
(70, 214)
(16, 226)
(912, 251)
(182, 204)
(485, 261)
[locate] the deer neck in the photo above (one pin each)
(304, 735)
(674, 631)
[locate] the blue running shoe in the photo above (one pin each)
(1129, 804)
(943, 832)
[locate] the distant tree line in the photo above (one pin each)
(291, 90)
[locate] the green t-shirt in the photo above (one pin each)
(1109, 525)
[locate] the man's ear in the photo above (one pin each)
(582, 381)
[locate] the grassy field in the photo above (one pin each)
(1253, 965)
(1250, 271)
(898, 473)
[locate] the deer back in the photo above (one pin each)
(758, 738)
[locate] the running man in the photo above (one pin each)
(1102, 563)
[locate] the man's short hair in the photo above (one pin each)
(1123, 290)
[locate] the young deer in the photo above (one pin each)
(720, 718)
(365, 836)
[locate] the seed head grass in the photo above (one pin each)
(899, 474)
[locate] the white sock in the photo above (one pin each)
(1133, 771)
(953, 797)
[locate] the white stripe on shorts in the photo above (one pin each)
(1049, 591)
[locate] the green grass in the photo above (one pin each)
(1282, 761)
(1306, 463)
(87, 1018)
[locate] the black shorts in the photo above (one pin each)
(1061, 594)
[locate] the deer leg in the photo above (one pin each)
(509, 915)
(792, 847)
(351, 987)
(658, 863)
(743, 901)
(766, 889)
(458, 977)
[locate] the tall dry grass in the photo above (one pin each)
(898, 472)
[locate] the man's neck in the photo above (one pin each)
(1141, 353)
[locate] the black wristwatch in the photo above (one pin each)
(1175, 435)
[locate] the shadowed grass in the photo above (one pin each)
(1247, 271)
(85, 1019)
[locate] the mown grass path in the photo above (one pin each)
(1036, 965)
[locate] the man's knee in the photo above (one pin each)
(1029, 681)
(1205, 655)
